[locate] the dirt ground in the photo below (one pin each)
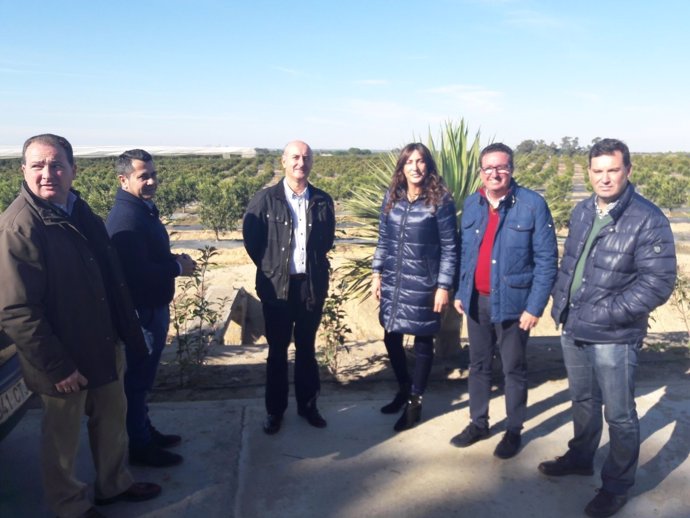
(235, 370)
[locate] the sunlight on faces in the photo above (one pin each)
(142, 182)
(48, 173)
(414, 171)
(297, 161)
(496, 173)
(608, 176)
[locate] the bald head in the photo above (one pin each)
(297, 161)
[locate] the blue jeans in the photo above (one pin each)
(604, 374)
(141, 374)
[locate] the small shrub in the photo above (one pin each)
(195, 319)
(334, 329)
(680, 299)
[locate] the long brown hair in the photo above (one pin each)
(433, 186)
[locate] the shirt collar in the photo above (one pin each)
(498, 202)
(291, 195)
(602, 213)
(68, 206)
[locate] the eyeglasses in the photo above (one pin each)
(501, 169)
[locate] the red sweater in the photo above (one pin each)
(482, 275)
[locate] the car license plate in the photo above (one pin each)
(12, 399)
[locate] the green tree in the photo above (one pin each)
(222, 204)
(667, 192)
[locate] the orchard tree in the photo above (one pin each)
(222, 204)
(668, 192)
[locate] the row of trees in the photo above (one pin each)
(569, 146)
(220, 187)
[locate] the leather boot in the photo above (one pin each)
(398, 401)
(411, 414)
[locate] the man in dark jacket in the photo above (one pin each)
(619, 263)
(64, 306)
(508, 264)
(288, 231)
(143, 246)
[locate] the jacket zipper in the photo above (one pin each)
(398, 269)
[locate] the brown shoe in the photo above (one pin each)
(137, 492)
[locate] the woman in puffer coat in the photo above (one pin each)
(413, 269)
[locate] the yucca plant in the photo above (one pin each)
(457, 159)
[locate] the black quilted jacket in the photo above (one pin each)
(630, 271)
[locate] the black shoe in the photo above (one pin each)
(154, 457)
(272, 424)
(164, 440)
(564, 466)
(91, 512)
(313, 417)
(137, 492)
(605, 504)
(398, 402)
(412, 414)
(509, 445)
(471, 434)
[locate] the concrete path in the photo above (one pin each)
(357, 467)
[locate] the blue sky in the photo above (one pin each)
(369, 74)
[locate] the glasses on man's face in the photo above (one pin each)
(501, 169)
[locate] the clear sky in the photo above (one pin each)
(338, 74)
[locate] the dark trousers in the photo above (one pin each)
(486, 339)
(282, 321)
(424, 356)
(141, 374)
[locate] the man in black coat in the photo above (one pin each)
(288, 231)
(150, 269)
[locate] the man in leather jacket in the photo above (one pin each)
(288, 230)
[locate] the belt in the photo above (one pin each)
(298, 277)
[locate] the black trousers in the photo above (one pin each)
(282, 321)
(487, 339)
(424, 356)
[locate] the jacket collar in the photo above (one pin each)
(126, 197)
(508, 200)
(278, 191)
(623, 202)
(46, 211)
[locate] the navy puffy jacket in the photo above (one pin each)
(631, 270)
(416, 253)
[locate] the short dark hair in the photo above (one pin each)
(609, 146)
(497, 147)
(51, 140)
(123, 164)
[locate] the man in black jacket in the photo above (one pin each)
(288, 230)
(619, 263)
(150, 269)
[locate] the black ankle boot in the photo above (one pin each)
(411, 415)
(398, 402)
